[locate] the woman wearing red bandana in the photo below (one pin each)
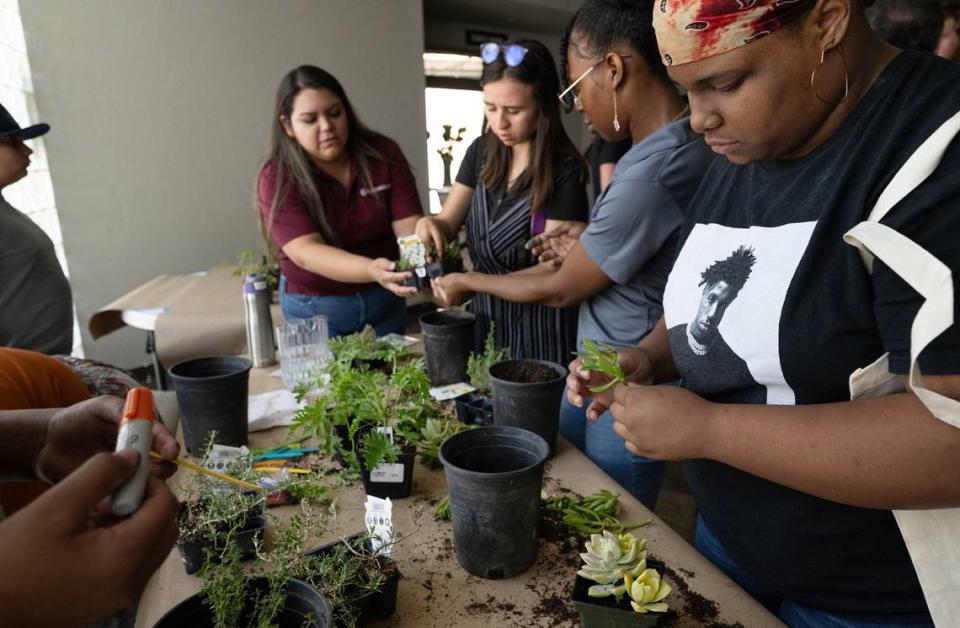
(768, 312)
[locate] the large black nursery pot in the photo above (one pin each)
(212, 395)
(527, 394)
(372, 605)
(193, 554)
(303, 604)
(447, 342)
(494, 478)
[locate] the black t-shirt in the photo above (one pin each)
(568, 201)
(762, 270)
(604, 152)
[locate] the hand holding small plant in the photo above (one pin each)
(602, 358)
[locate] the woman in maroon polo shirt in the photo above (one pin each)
(333, 197)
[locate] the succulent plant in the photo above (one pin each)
(609, 558)
(647, 591)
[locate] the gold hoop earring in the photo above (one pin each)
(846, 77)
(616, 118)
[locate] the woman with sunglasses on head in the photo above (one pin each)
(333, 197)
(785, 338)
(523, 176)
(615, 273)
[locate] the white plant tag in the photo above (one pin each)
(379, 521)
(450, 391)
(220, 458)
(388, 431)
(390, 473)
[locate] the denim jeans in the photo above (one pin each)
(348, 313)
(640, 476)
(793, 614)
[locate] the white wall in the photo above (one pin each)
(160, 113)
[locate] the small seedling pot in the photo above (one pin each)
(444, 267)
(393, 480)
(377, 605)
(419, 278)
(303, 604)
(606, 612)
(372, 365)
(494, 478)
(527, 394)
(474, 409)
(193, 553)
(447, 343)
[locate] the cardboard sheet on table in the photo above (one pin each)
(205, 314)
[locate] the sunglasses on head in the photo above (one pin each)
(513, 54)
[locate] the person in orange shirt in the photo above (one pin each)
(63, 561)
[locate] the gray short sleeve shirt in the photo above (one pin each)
(36, 305)
(633, 232)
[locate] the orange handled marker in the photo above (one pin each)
(136, 432)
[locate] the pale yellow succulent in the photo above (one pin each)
(609, 557)
(647, 591)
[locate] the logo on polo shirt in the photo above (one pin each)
(375, 189)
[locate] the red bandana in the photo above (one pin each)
(691, 30)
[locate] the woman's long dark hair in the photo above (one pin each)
(551, 144)
(294, 167)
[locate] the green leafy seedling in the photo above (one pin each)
(601, 357)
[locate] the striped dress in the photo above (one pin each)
(496, 233)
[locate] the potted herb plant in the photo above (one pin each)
(364, 349)
(215, 515)
(615, 586)
(476, 408)
(360, 584)
(449, 261)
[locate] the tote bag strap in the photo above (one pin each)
(920, 269)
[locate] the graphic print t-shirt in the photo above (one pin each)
(764, 280)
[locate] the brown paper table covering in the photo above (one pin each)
(205, 314)
(435, 591)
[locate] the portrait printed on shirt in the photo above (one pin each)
(723, 305)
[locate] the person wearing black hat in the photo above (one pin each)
(36, 304)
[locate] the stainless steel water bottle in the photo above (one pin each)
(256, 309)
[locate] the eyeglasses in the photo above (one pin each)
(513, 54)
(570, 97)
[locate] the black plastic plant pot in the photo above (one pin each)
(606, 612)
(527, 394)
(494, 478)
(193, 553)
(447, 342)
(212, 396)
(444, 267)
(393, 480)
(302, 606)
(474, 409)
(371, 365)
(374, 605)
(419, 278)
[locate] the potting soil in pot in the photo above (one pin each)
(523, 372)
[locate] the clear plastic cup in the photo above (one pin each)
(303, 350)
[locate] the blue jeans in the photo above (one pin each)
(640, 476)
(791, 613)
(348, 313)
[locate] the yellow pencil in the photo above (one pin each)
(216, 474)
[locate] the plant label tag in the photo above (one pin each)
(220, 458)
(413, 250)
(389, 473)
(388, 431)
(379, 521)
(399, 341)
(451, 391)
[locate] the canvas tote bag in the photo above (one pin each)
(932, 536)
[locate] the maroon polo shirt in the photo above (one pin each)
(363, 224)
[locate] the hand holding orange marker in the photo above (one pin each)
(136, 432)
